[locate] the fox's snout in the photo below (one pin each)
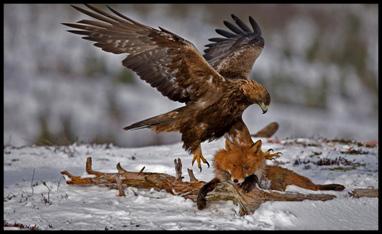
(237, 175)
(238, 181)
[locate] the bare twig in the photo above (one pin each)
(191, 175)
(121, 191)
(89, 168)
(121, 170)
(140, 172)
(178, 169)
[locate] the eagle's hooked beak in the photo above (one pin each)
(263, 107)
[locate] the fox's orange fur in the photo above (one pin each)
(245, 166)
(236, 162)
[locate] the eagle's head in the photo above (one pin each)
(256, 93)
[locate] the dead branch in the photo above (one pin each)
(248, 202)
(121, 191)
(178, 169)
(140, 170)
(364, 192)
(191, 175)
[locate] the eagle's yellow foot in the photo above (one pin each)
(270, 155)
(199, 157)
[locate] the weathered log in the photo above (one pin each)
(267, 131)
(364, 192)
(252, 200)
(248, 202)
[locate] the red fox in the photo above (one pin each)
(245, 166)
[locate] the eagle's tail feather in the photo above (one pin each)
(159, 123)
(150, 122)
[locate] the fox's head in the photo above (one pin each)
(237, 161)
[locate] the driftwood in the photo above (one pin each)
(175, 185)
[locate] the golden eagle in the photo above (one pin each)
(215, 87)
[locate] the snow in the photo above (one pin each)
(86, 208)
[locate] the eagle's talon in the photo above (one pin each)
(205, 161)
(272, 155)
(276, 155)
(199, 158)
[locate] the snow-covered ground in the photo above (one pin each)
(35, 193)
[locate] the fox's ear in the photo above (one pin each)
(229, 145)
(256, 147)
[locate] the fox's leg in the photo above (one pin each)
(198, 156)
(249, 183)
(281, 177)
(201, 200)
(305, 182)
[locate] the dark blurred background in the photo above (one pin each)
(320, 65)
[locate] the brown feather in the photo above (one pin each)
(234, 56)
(166, 61)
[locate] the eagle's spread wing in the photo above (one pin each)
(234, 55)
(165, 60)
